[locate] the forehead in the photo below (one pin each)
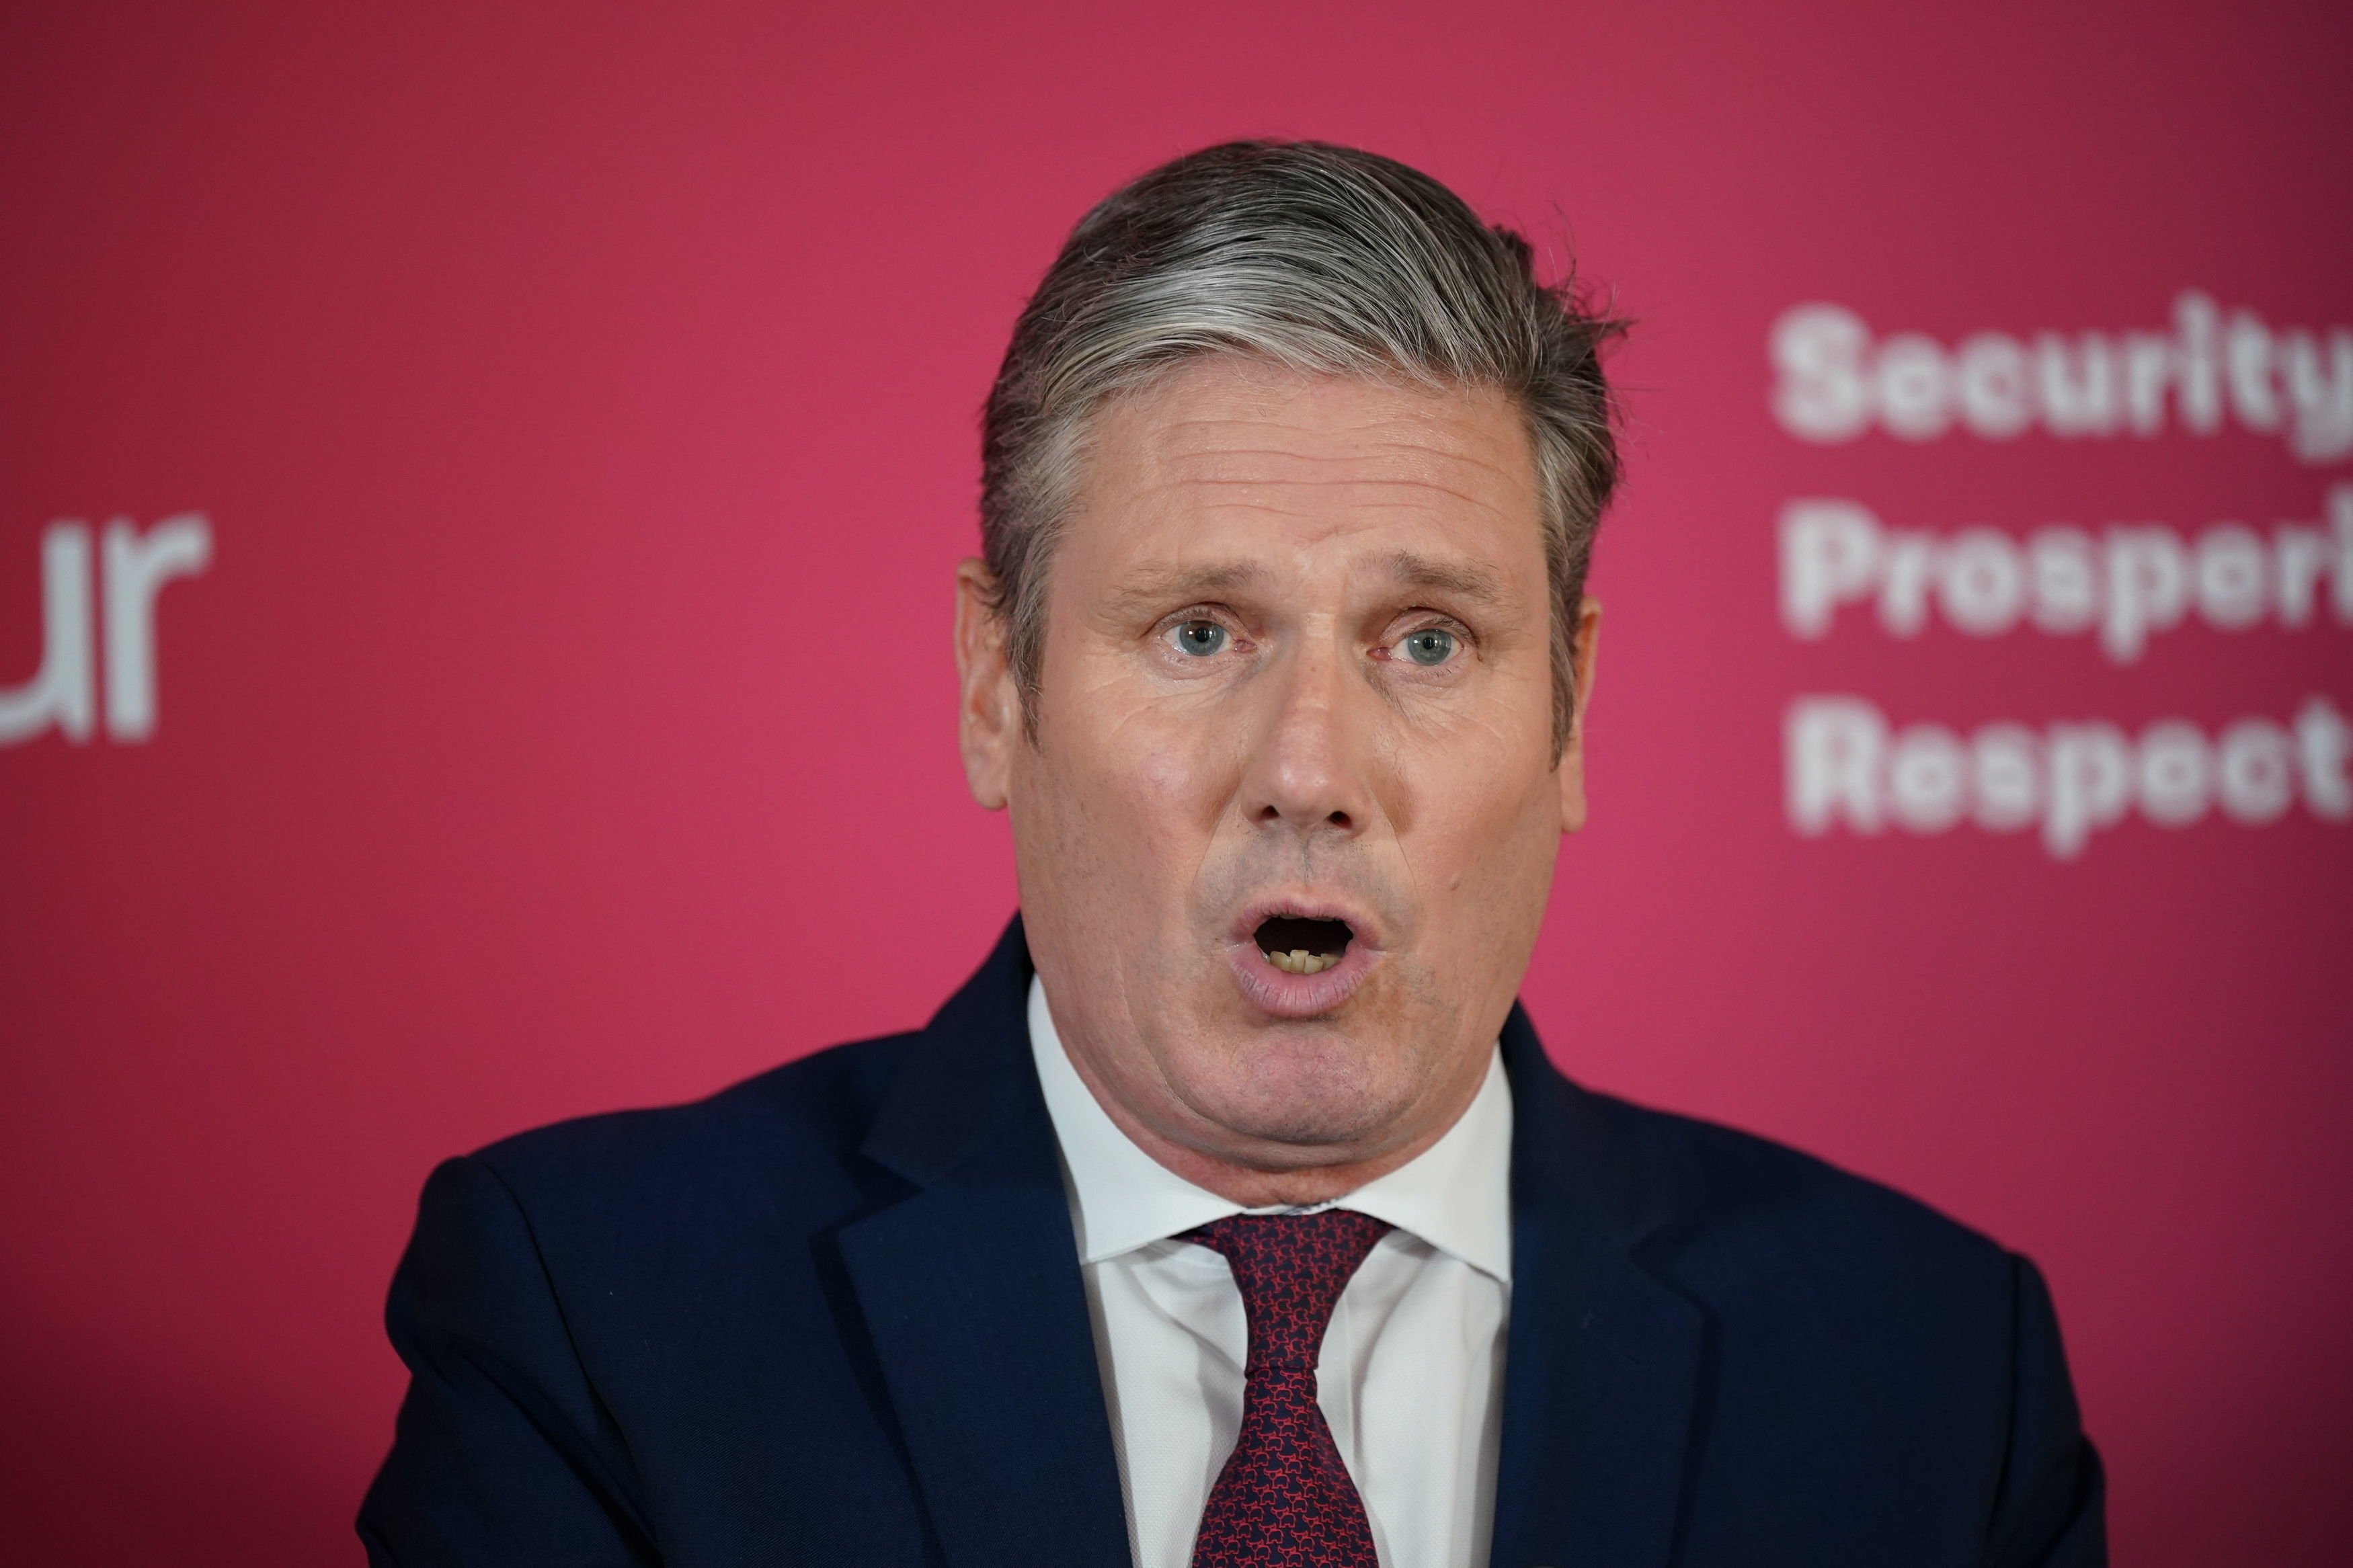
(1227, 452)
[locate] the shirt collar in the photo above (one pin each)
(1454, 1195)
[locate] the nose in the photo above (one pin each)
(1309, 763)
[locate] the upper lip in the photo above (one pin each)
(1308, 907)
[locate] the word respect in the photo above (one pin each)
(2124, 584)
(1846, 766)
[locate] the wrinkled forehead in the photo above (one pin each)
(1227, 456)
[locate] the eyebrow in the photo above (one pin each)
(1463, 580)
(1158, 586)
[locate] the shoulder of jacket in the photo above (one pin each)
(815, 1108)
(1717, 1188)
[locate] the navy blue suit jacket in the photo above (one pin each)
(834, 1316)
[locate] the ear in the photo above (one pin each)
(988, 708)
(1584, 645)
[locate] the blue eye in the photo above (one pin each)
(1429, 646)
(1200, 638)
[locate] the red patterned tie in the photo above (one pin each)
(1285, 1500)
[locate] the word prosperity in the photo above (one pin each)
(2124, 584)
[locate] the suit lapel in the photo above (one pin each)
(973, 1299)
(1603, 1365)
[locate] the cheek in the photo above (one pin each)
(1157, 762)
(1485, 854)
(1162, 775)
(1129, 810)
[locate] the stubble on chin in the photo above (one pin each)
(1294, 1091)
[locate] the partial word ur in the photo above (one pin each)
(63, 694)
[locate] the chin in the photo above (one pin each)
(1316, 1091)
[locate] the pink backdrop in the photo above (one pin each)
(579, 409)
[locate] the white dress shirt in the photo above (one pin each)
(1411, 1375)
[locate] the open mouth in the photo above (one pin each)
(1300, 946)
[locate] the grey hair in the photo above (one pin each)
(1318, 258)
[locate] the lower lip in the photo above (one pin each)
(1281, 994)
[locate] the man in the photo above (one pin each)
(1232, 1213)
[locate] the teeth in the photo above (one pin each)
(1299, 960)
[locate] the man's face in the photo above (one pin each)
(1286, 833)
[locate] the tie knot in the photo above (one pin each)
(1290, 1269)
